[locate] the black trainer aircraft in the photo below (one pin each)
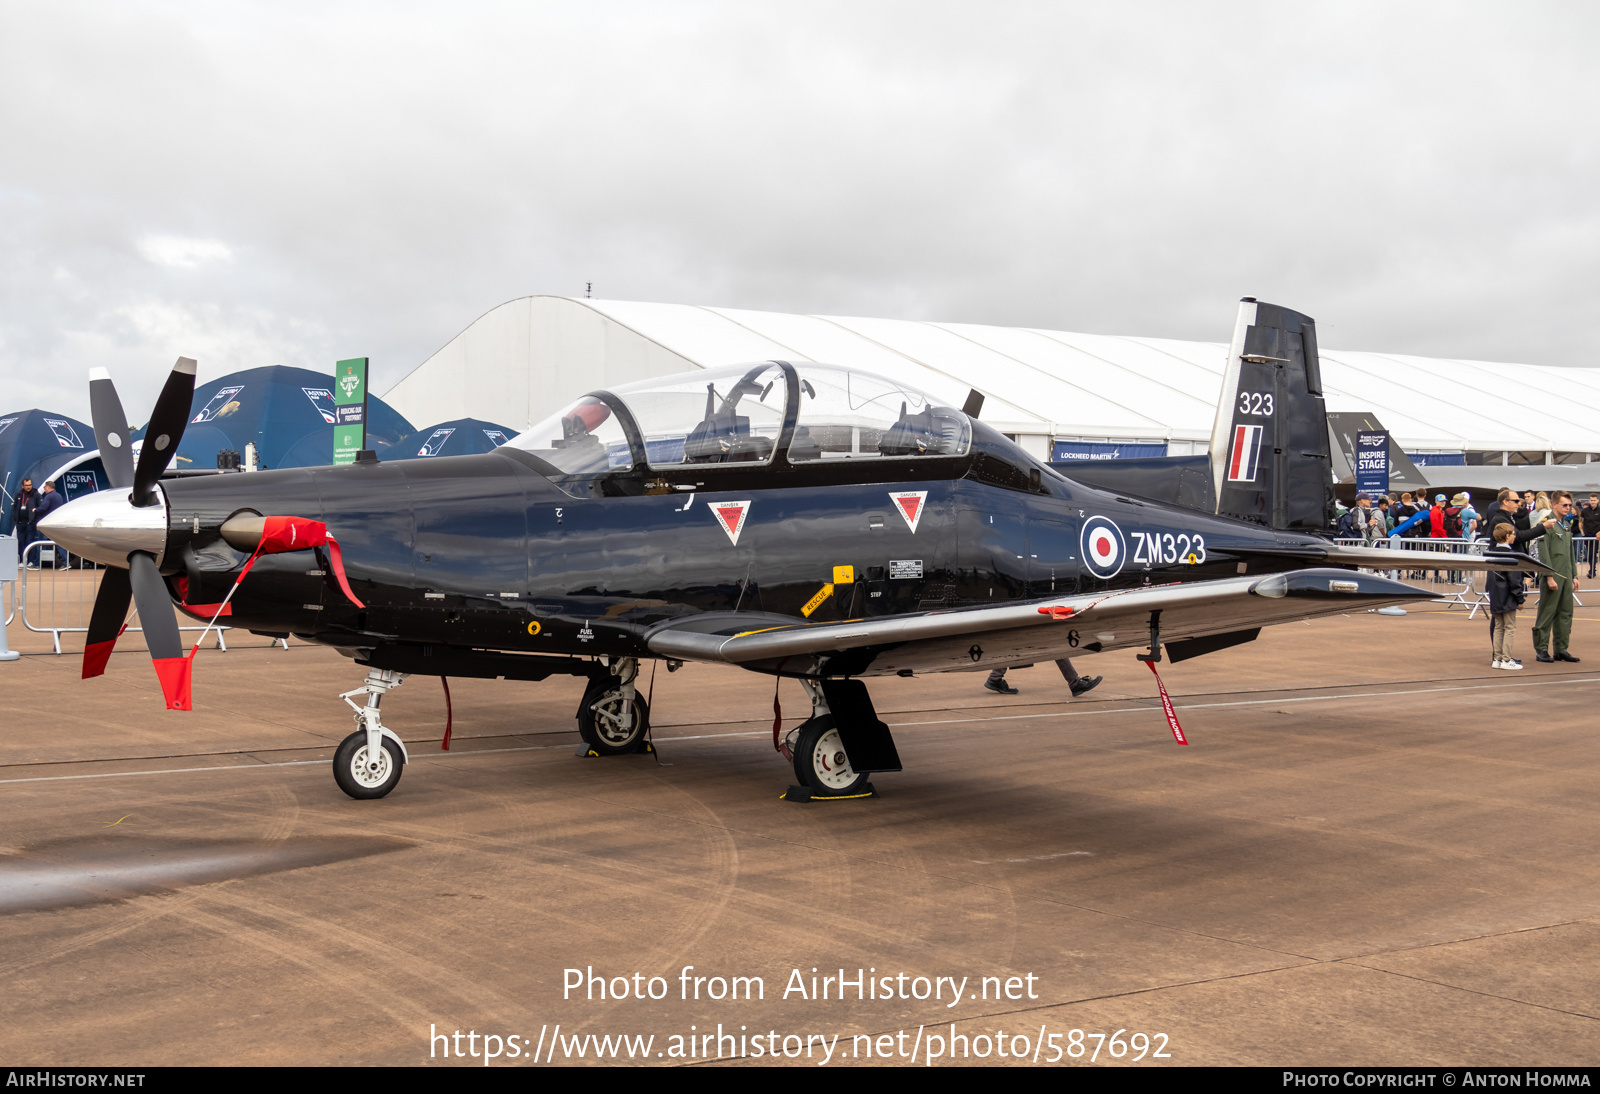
(790, 518)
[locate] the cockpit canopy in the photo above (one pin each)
(747, 415)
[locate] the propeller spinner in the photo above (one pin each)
(128, 532)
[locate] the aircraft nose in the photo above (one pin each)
(106, 527)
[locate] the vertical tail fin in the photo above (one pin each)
(1270, 458)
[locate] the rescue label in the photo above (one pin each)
(816, 601)
(905, 567)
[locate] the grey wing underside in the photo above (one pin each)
(1023, 633)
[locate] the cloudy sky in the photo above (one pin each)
(278, 183)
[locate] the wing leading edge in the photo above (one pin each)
(1016, 634)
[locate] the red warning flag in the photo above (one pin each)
(176, 675)
(299, 534)
(1166, 705)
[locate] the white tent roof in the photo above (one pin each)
(528, 357)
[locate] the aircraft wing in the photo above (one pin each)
(1222, 612)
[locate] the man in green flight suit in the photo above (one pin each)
(1555, 593)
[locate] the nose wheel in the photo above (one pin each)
(820, 761)
(368, 763)
(360, 773)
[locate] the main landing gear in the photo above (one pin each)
(369, 761)
(838, 748)
(820, 761)
(613, 718)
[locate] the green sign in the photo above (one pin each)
(350, 409)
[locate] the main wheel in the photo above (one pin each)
(605, 726)
(358, 774)
(820, 761)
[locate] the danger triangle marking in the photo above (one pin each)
(910, 503)
(730, 515)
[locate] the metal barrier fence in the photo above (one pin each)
(1465, 587)
(57, 591)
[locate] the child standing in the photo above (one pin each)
(1505, 597)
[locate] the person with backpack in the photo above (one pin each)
(1357, 521)
(1404, 511)
(1347, 527)
(1461, 519)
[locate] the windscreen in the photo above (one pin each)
(585, 438)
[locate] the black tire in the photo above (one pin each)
(602, 725)
(820, 762)
(349, 767)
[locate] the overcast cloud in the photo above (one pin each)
(262, 184)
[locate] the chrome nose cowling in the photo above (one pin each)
(106, 527)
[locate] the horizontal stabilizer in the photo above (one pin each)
(1396, 558)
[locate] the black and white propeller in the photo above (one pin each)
(125, 527)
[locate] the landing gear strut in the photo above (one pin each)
(613, 718)
(369, 761)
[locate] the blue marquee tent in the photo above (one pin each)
(288, 413)
(461, 437)
(36, 444)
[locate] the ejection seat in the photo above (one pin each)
(723, 436)
(926, 434)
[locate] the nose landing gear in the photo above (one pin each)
(368, 763)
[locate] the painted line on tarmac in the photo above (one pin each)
(280, 763)
(1155, 704)
(1151, 704)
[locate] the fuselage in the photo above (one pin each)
(492, 552)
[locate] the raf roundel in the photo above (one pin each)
(1104, 548)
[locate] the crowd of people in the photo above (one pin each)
(1411, 516)
(1546, 526)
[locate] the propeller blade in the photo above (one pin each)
(165, 430)
(110, 428)
(160, 624)
(105, 623)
